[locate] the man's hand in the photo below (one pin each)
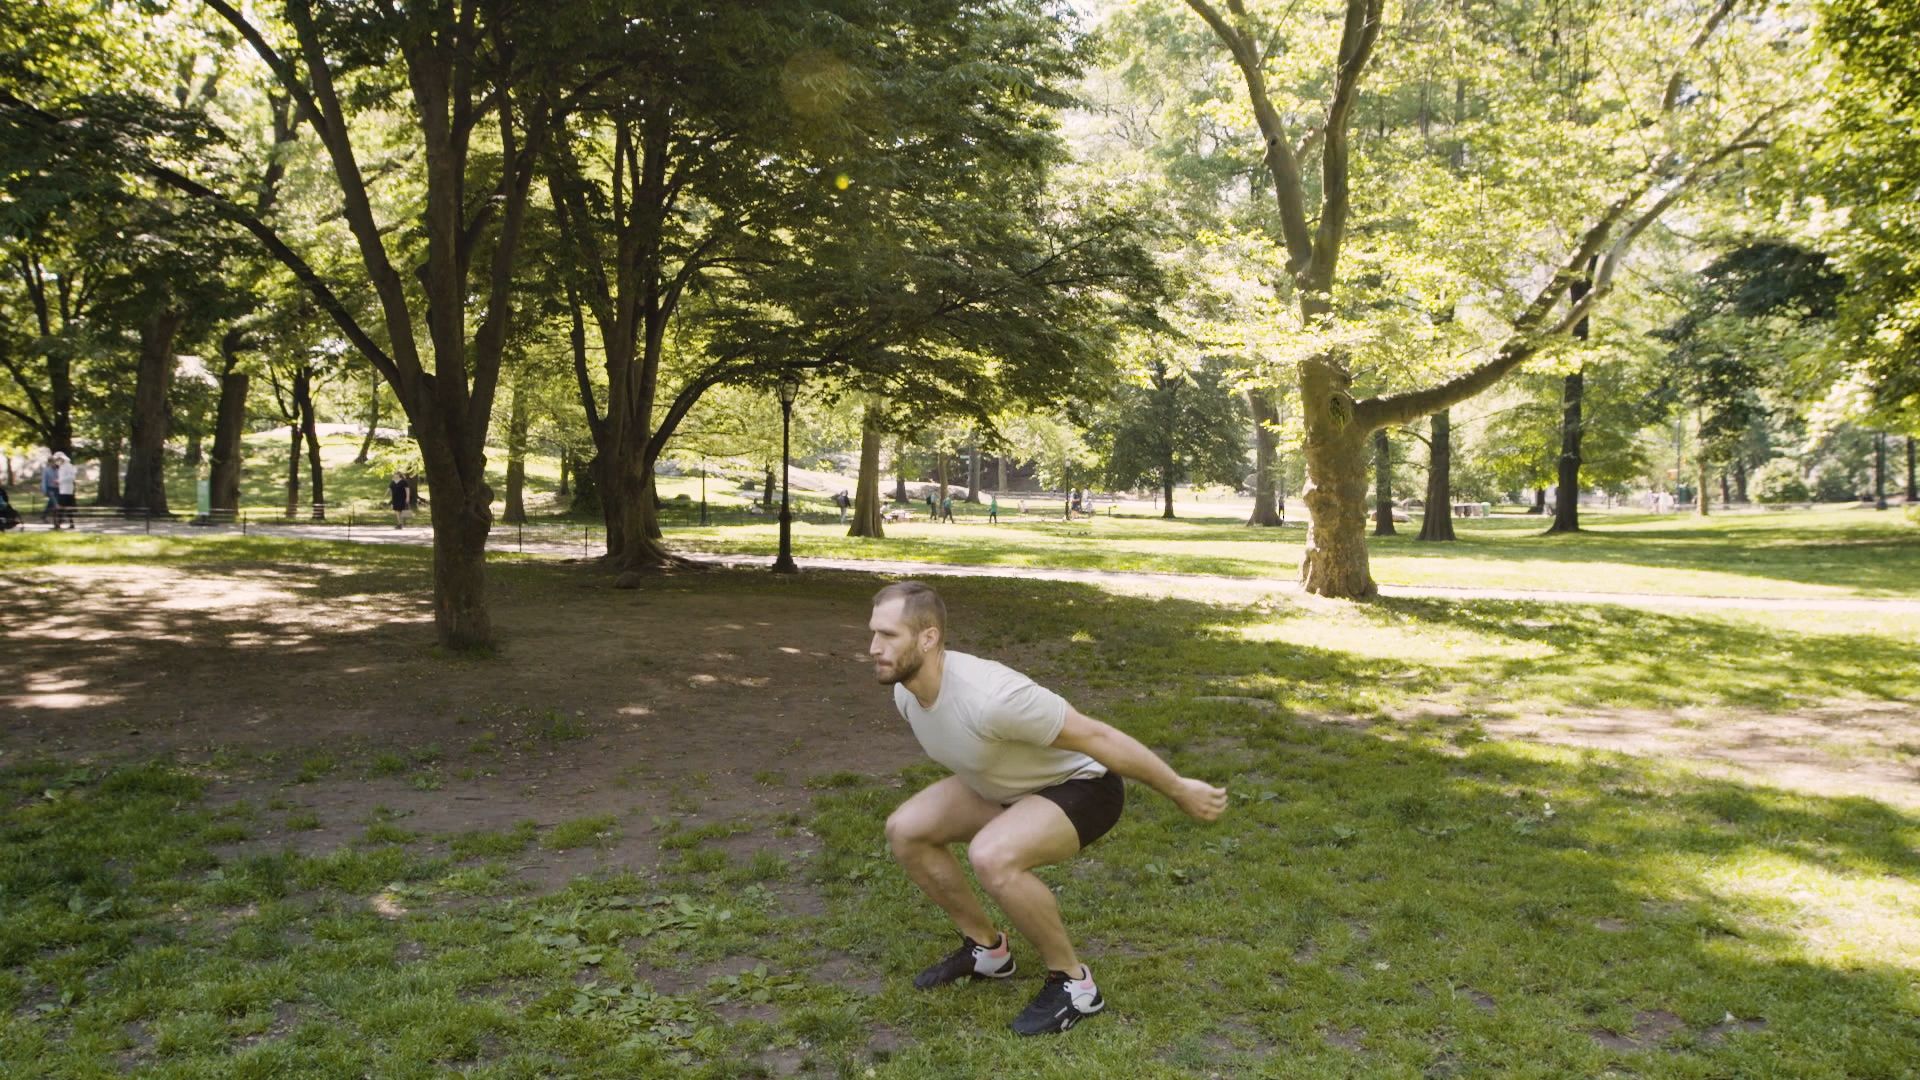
(1199, 799)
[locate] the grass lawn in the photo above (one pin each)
(1801, 553)
(646, 840)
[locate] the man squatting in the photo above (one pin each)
(1034, 781)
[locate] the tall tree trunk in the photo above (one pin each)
(1335, 560)
(193, 443)
(1166, 487)
(566, 465)
(1382, 485)
(1539, 502)
(303, 400)
(293, 467)
(1913, 494)
(109, 488)
(373, 420)
(1437, 523)
(867, 520)
(1566, 504)
(516, 511)
(60, 390)
(228, 429)
(1740, 479)
(973, 473)
(899, 471)
(940, 473)
(1000, 468)
(1701, 499)
(146, 450)
(1726, 490)
(1260, 404)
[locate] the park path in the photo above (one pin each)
(585, 541)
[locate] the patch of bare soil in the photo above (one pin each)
(315, 686)
(1867, 749)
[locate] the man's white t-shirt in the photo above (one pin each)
(993, 727)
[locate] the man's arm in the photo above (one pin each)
(1125, 755)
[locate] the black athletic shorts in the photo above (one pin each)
(1093, 805)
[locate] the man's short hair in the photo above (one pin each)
(923, 608)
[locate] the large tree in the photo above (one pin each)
(1689, 118)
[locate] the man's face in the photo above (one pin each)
(895, 649)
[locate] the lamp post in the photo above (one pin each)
(789, 390)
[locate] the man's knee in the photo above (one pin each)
(994, 862)
(906, 830)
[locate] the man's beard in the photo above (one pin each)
(907, 668)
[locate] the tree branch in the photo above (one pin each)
(1282, 165)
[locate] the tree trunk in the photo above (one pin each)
(373, 421)
(1437, 523)
(1726, 490)
(1539, 501)
(1335, 560)
(1566, 503)
(566, 465)
(229, 426)
(461, 509)
(973, 473)
(109, 472)
(867, 520)
(899, 472)
(1740, 479)
(940, 473)
(293, 469)
(193, 442)
(1912, 494)
(1382, 485)
(1000, 468)
(303, 400)
(1566, 499)
(516, 510)
(1701, 499)
(1166, 488)
(146, 452)
(1260, 404)
(60, 389)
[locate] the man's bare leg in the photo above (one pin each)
(1032, 832)
(919, 832)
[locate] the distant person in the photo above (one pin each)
(399, 496)
(63, 492)
(946, 508)
(1034, 782)
(49, 489)
(9, 517)
(842, 501)
(933, 509)
(993, 509)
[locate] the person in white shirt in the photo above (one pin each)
(64, 478)
(1034, 781)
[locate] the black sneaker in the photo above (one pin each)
(971, 960)
(1061, 1003)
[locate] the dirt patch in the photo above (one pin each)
(1651, 1027)
(1862, 748)
(314, 691)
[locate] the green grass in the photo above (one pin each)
(1806, 553)
(1406, 899)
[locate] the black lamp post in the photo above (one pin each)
(789, 389)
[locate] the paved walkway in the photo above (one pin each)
(585, 541)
